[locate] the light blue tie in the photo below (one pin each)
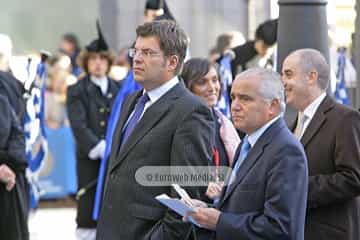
(245, 148)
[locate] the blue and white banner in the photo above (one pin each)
(341, 93)
(34, 126)
(226, 79)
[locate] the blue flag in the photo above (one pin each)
(34, 127)
(129, 86)
(341, 94)
(226, 79)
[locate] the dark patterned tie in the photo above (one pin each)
(139, 108)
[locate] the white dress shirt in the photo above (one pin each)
(310, 111)
(102, 83)
(155, 94)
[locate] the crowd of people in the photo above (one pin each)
(298, 180)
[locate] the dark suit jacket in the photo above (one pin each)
(332, 143)
(268, 197)
(177, 130)
(88, 111)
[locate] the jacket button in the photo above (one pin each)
(102, 123)
(102, 110)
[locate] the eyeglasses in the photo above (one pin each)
(143, 52)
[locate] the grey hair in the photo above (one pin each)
(310, 60)
(271, 85)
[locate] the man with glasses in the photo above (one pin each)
(161, 125)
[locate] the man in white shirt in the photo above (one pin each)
(330, 134)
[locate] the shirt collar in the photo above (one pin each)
(310, 110)
(252, 138)
(158, 92)
(102, 83)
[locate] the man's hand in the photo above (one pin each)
(7, 176)
(206, 217)
(214, 190)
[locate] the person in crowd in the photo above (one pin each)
(89, 104)
(251, 52)
(70, 46)
(224, 42)
(156, 128)
(14, 188)
(122, 65)
(157, 10)
(330, 134)
(265, 196)
(59, 78)
(201, 78)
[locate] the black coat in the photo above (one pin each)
(12, 88)
(243, 54)
(14, 204)
(88, 111)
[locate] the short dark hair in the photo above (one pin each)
(72, 38)
(173, 40)
(267, 32)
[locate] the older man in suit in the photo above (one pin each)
(161, 125)
(265, 197)
(330, 133)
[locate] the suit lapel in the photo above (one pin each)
(126, 110)
(255, 153)
(317, 121)
(150, 118)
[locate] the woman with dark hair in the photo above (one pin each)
(201, 78)
(70, 46)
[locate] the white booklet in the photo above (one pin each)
(177, 205)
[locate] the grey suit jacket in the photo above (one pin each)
(176, 130)
(332, 143)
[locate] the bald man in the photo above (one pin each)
(330, 134)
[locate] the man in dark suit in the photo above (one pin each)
(162, 125)
(330, 133)
(89, 103)
(265, 197)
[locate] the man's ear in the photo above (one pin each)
(313, 77)
(274, 107)
(173, 62)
